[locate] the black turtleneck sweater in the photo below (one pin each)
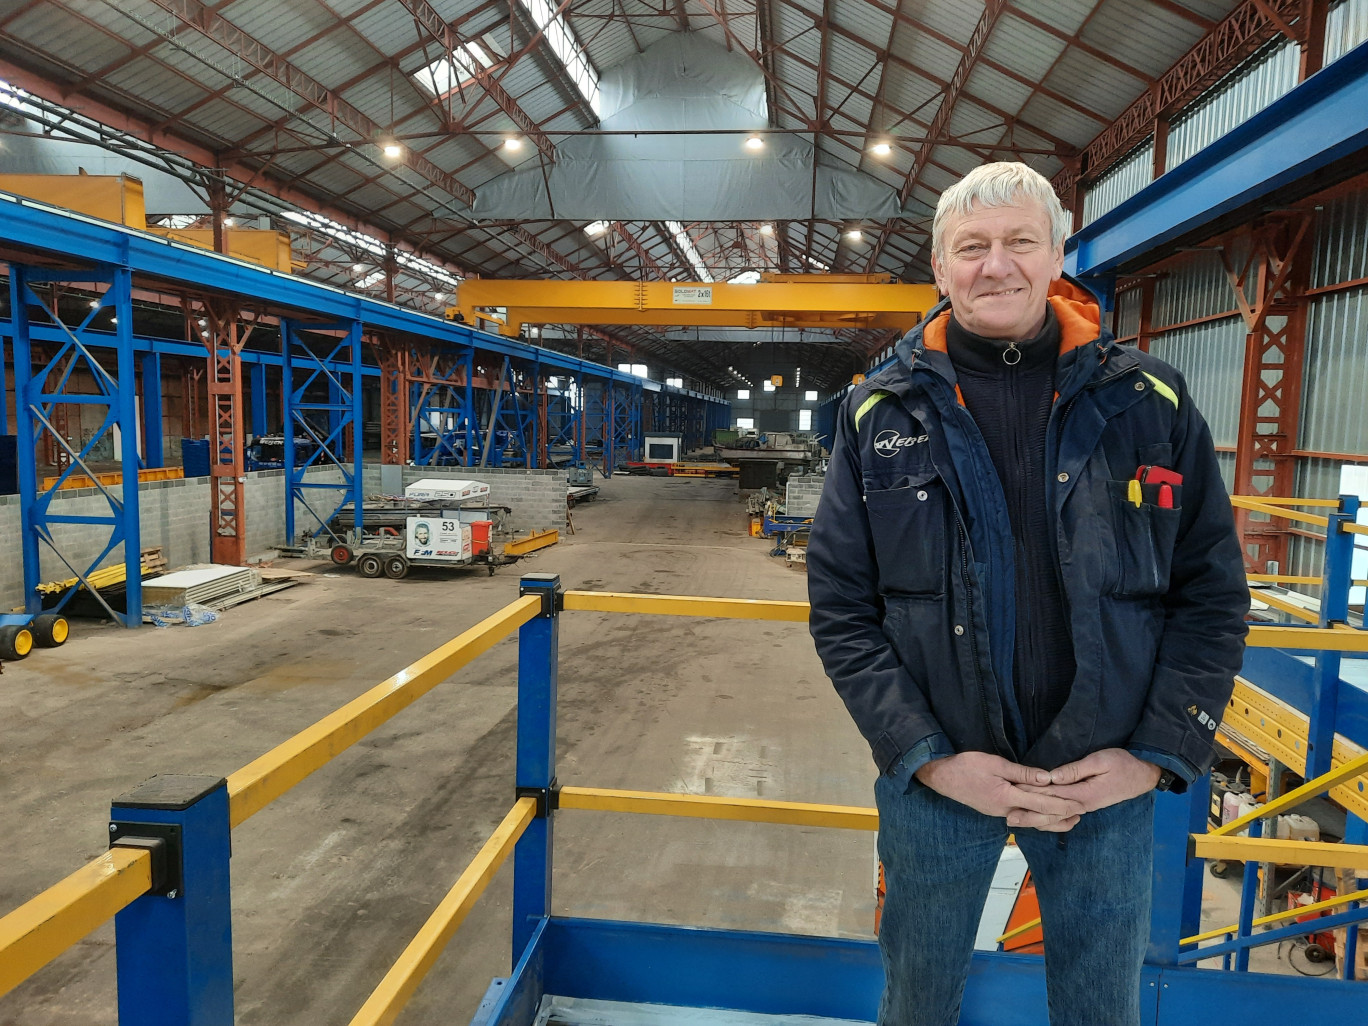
(1011, 405)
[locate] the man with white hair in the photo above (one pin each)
(1027, 587)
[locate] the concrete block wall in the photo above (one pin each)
(802, 493)
(536, 497)
(175, 516)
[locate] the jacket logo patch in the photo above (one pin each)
(888, 442)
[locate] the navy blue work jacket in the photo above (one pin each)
(910, 561)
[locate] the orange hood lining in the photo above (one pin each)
(1077, 312)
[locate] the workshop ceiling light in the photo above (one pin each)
(227, 222)
(755, 143)
(595, 227)
(513, 144)
(881, 149)
(394, 151)
(854, 235)
(439, 296)
(767, 229)
(358, 268)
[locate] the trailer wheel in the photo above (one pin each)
(341, 555)
(396, 568)
(15, 642)
(370, 565)
(50, 630)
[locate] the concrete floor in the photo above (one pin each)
(332, 880)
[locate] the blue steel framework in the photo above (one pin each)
(120, 255)
(44, 398)
(326, 422)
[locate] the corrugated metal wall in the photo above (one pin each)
(1341, 252)
(1236, 98)
(1346, 25)
(1127, 317)
(1121, 182)
(1335, 379)
(1211, 357)
(1193, 286)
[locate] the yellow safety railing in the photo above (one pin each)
(1278, 917)
(42, 928)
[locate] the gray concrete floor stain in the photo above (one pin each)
(332, 880)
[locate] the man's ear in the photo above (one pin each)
(1058, 262)
(939, 274)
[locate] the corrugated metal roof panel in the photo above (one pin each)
(996, 88)
(382, 29)
(200, 67)
(926, 54)
(223, 120)
(49, 33)
(335, 59)
(864, 19)
(279, 27)
(1117, 25)
(1061, 121)
(1065, 15)
(1094, 84)
(1022, 47)
(951, 19)
(172, 92)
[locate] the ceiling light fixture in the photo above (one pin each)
(767, 229)
(227, 222)
(513, 144)
(595, 227)
(394, 151)
(881, 149)
(854, 235)
(755, 143)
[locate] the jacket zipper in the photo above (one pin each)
(967, 579)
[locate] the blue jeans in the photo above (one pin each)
(1093, 884)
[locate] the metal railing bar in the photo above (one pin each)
(394, 991)
(1314, 786)
(47, 924)
(1284, 606)
(1259, 506)
(1325, 639)
(1278, 917)
(267, 777)
(686, 605)
(1272, 849)
(1272, 500)
(707, 806)
(1349, 918)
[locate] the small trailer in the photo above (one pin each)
(437, 531)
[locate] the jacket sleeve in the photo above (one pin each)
(1204, 614)
(847, 616)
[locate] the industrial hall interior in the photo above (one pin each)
(351, 349)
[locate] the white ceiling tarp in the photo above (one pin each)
(685, 84)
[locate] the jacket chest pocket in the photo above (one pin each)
(1145, 537)
(911, 544)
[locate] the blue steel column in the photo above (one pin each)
(174, 950)
(287, 423)
(150, 366)
(260, 421)
(469, 361)
(1334, 608)
(1176, 881)
(121, 288)
(1249, 889)
(4, 389)
(25, 440)
(538, 645)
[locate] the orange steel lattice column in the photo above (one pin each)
(228, 513)
(1277, 270)
(394, 412)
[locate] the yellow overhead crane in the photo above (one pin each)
(831, 301)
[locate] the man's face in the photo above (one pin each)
(997, 268)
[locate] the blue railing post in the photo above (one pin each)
(1334, 608)
(1176, 892)
(1249, 890)
(538, 643)
(174, 944)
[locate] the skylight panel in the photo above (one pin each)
(690, 251)
(557, 33)
(447, 74)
